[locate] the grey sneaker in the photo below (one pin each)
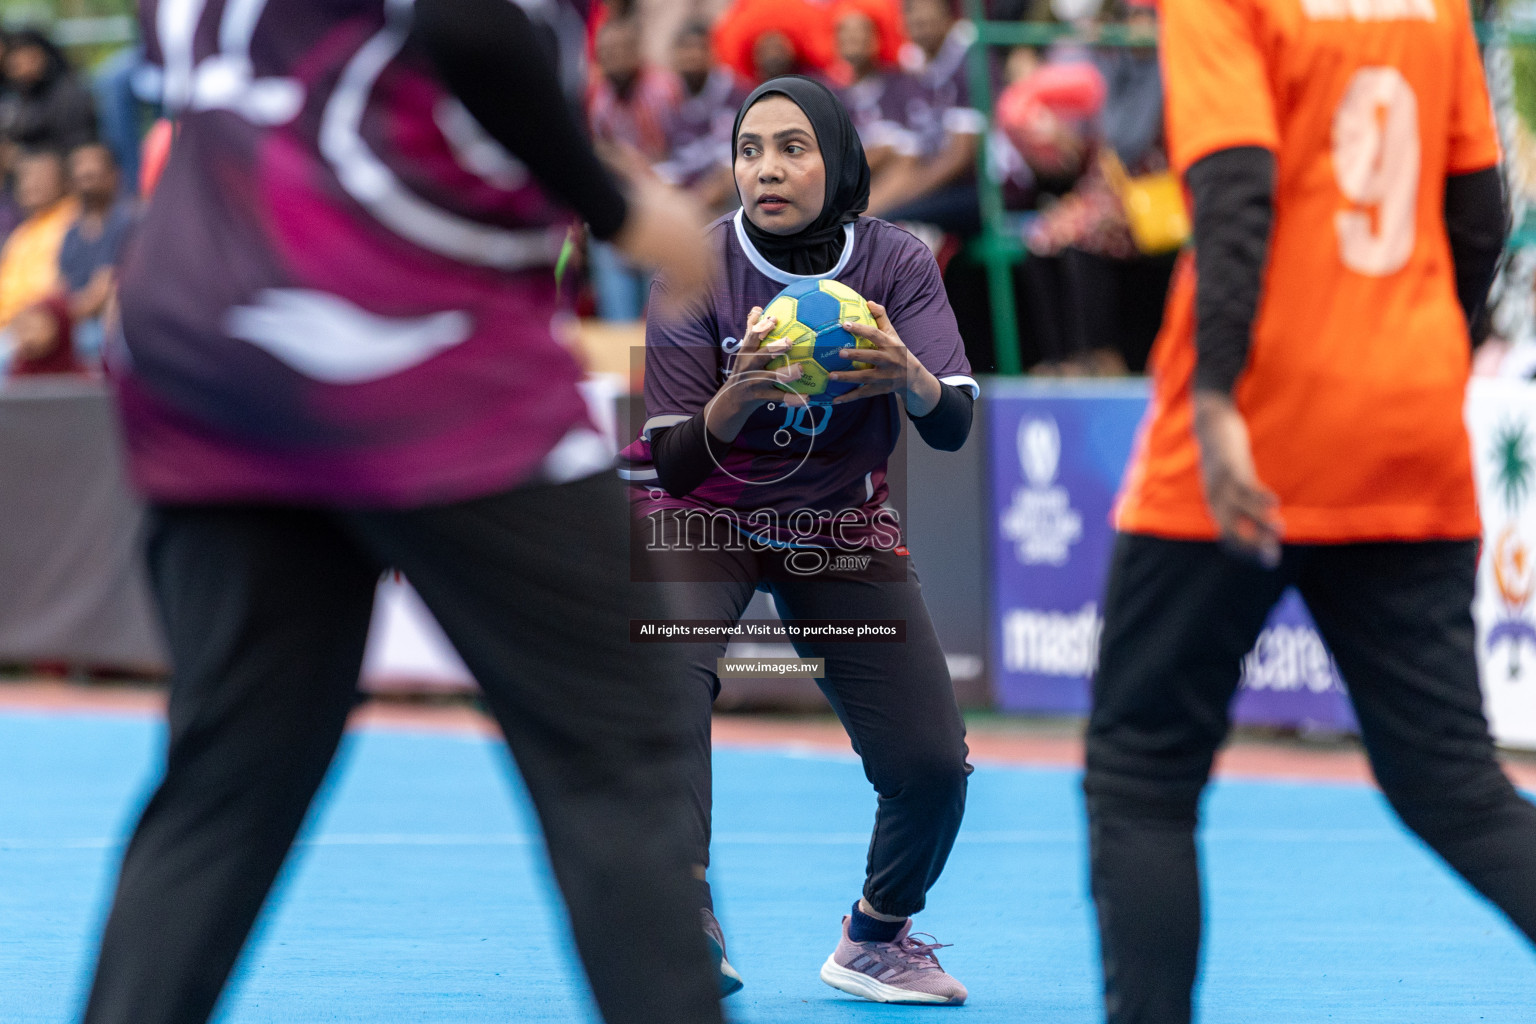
(903, 971)
(730, 981)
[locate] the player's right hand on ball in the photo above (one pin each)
(751, 385)
(750, 377)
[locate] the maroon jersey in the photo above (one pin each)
(342, 290)
(822, 458)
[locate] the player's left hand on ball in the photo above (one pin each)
(1246, 512)
(892, 366)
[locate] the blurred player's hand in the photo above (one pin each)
(1246, 512)
(665, 231)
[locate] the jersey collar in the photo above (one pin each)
(772, 272)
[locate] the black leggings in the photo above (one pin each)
(1179, 616)
(266, 611)
(895, 700)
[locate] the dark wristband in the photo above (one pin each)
(948, 424)
(685, 455)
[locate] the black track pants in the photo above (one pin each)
(1179, 616)
(895, 700)
(266, 611)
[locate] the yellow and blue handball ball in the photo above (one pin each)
(810, 316)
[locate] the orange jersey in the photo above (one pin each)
(1358, 368)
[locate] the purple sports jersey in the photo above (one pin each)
(341, 293)
(699, 136)
(827, 460)
(887, 108)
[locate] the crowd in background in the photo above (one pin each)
(64, 214)
(1074, 121)
(1089, 300)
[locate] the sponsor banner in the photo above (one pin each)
(1057, 454)
(1501, 417)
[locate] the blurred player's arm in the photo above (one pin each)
(1234, 207)
(1476, 223)
(1234, 198)
(493, 59)
(1475, 211)
(1222, 133)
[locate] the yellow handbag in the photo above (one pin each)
(1153, 203)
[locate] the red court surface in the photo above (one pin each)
(992, 738)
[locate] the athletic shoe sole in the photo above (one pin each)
(730, 981)
(862, 985)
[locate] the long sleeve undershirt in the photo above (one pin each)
(1233, 192)
(1476, 223)
(492, 57)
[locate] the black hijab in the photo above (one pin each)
(815, 248)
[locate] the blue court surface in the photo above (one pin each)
(420, 894)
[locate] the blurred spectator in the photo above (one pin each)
(763, 39)
(887, 104)
(127, 89)
(630, 107)
(1124, 291)
(29, 262)
(774, 55)
(1048, 113)
(40, 341)
(1133, 106)
(699, 141)
(43, 106)
(1007, 164)
(630, 103)
(940, 188)
(91, 249)
(1095, 298)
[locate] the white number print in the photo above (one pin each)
(1376, 163)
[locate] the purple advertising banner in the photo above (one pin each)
(1057, 453)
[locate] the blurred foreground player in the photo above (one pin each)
(337, 357)
(1306, 429)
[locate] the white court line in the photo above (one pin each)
(1025, 837)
